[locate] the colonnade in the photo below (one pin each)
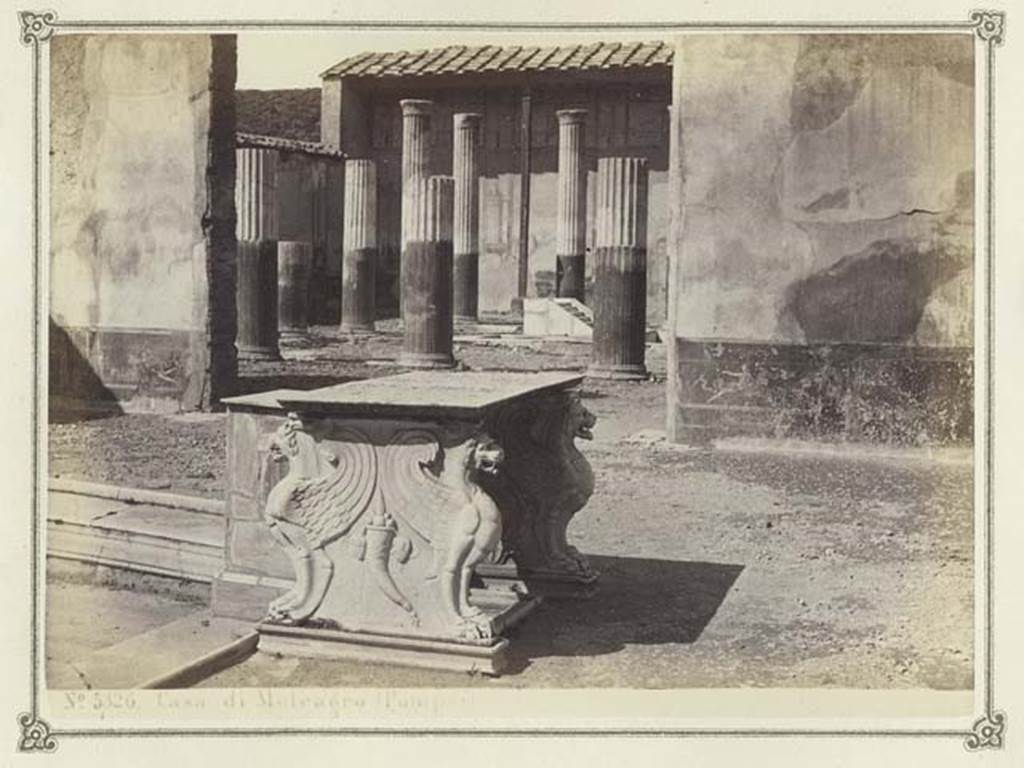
(440, 253)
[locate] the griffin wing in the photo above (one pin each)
(415, 492)
(328, 506)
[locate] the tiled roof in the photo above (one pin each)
(285, 145)
(461, 59)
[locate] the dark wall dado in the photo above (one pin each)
(146, 369)
(878, 393)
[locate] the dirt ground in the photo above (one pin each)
(719, 568)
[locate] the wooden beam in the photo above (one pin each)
(525, 140)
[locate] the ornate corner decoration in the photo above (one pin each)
(35, 734)
(987, 732)
(37, 27)
(989, 25)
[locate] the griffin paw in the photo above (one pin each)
(284, 603)
(476, 629)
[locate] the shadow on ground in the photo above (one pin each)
(641, 601)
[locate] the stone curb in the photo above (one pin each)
(137, 496)
(207, 665)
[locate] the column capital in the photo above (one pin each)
(416, 107)
(466, 120)
(571, 116)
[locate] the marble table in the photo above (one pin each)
(409, 519)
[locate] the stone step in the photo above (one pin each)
(176, 655)
(577, 309)
(557, 317)
(149, 538)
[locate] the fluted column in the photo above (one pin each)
(359, 264)
(427, 277)
(466, 227)
(294, 267)
(620, 269)
(257, 230)
(417, 115)
(571, 236)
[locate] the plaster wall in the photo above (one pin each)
(823, 236)
(142, 213)
(828, 191)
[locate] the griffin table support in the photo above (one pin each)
(407, 519)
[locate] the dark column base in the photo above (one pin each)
(293, 336)
(570, 276)
(636, 372)
(294, 268)
(358, 300)
(423, 360)
(427, 315)
(256, 354)
(257, 301)
(620, 313)
(466, 285)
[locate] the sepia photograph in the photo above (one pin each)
(401, 364)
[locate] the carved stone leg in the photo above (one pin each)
(321, 570)
(545, 482)
(476, 555)
(451, 582)
(300, 560)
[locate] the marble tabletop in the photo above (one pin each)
(463, 394)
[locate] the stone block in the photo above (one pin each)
(243, 507)
(251, 549)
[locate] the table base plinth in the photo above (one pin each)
(487, 656)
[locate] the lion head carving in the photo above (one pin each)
(559, 423)
(486, 455)
(580, 421)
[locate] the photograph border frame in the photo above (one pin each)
(38, 27)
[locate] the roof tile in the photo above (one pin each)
(621, 56)
(501, 60)
(489, 58)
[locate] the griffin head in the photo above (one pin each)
(486, 455)
(284, 442)
(290, 442)
(580, 420)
